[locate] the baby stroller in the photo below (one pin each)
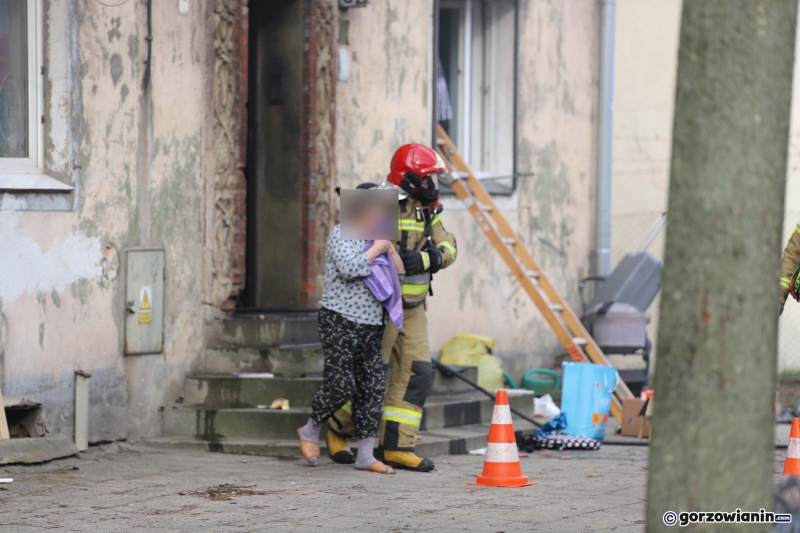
(616, 316)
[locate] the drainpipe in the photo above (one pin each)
(602, 252)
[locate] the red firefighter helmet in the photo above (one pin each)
(417, 158)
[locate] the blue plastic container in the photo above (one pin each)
(586, 398)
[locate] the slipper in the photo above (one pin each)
(310, 450)
(379, 468)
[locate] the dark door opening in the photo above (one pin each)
(274, 155)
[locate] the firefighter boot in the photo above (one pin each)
(338, 449)
(407, 461)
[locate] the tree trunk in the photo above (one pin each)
(715, 380)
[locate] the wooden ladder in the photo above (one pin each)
(563, 321)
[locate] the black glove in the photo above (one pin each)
(412, 261)
(435, 256)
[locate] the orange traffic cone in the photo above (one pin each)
(792, 465)
(501, 467)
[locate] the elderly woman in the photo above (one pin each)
(351, 324)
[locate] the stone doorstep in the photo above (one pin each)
(294, 360)
(230, 391)
(440, 412)
(271, 330)
(451, 441)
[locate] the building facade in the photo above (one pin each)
(646, 63)
(185, 153)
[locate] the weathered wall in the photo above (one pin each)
(137, 160)
(646, 61)
(386, 103)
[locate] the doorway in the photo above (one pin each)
(274, 156)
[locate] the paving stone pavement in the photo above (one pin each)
(125, 488)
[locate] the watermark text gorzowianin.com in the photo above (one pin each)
(724, 517)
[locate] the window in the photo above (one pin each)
(475, 85)
(21, 102)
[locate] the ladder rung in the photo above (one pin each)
(440, 142)
(580, 341)
(483, 207)
(556, 307)
(533, 274)
(509, 240)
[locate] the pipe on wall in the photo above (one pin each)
(605, 121)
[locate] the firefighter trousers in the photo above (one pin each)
(409, 355)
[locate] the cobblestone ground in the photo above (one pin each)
(124, 487)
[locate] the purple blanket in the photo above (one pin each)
(384, 284)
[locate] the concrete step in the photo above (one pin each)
(212, 423)
(295, 360)
(271, 330)
(228, 392)
(438, 442)
(225, 391)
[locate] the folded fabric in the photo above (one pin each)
(557, 423)
(565, 442)
(384, 283)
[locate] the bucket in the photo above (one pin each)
(586, 398)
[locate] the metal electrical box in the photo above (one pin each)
(144, 302)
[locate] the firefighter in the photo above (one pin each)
(425, 248)
(790, 266)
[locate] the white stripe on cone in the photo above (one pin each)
(793, 450)
(502, 452)
(501, 414)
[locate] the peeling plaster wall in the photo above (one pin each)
(386, 103)
(137, 161)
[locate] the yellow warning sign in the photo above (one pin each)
(145, 302)
(145, 305)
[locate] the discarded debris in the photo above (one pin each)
(255, 375)
(479, 451)
(6, 479)
(227, 491)
(280, 403)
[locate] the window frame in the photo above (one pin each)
(463, 136)
(23, 174)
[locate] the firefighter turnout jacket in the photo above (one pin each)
(416, 226)
(790, 262)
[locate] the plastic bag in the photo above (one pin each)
(545, 407)
(467, 349)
